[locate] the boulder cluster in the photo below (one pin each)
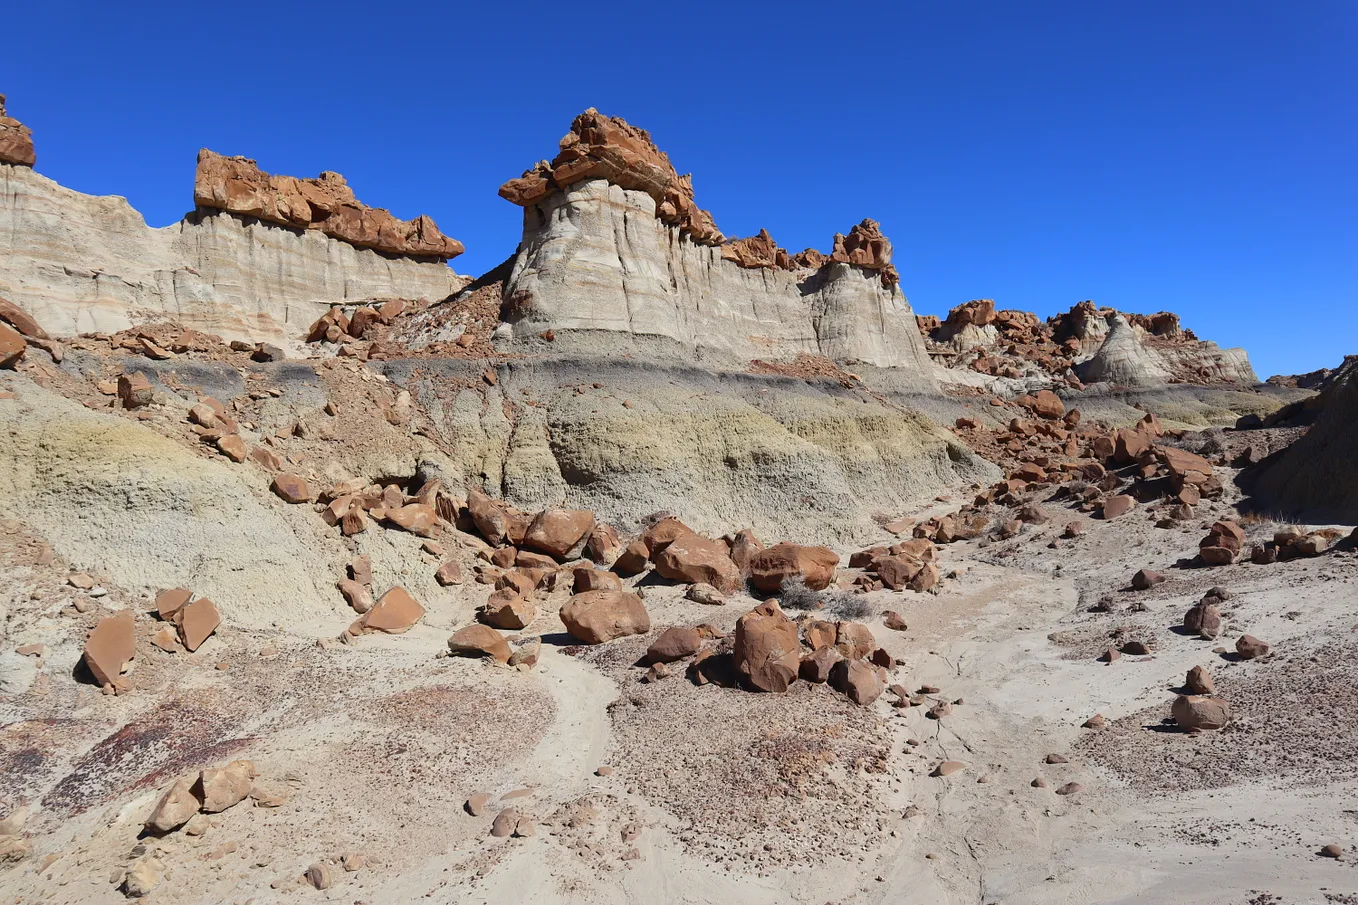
(1017, 344)
(1108, 472)
(326, 203)
(864, 246)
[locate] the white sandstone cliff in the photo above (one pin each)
(595, 259)
(85, 263)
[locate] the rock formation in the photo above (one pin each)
(609, 148)
(612, 243)
(1318, 474)
(1087, 344)
(16, 140)
(83, 263)
(326, 203)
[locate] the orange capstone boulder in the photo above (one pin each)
(326, 203)
(395, 612)
(111, 646)
(674, 643)
(813, 565)
(197, 621)
(767, 653)
(608, 147)
(599, 616)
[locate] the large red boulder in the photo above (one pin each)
(599, 616)
(813, 565)
(559, 532)
(692, 558)
(767, 653)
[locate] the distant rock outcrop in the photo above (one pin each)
(326, 203)
(613, 242)
(16, 140)
(1087, 344)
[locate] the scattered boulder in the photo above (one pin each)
(588, 578)
(1197, 712)
(1145, 579)
(292, 488)
(1117, 506)
(704, 593)
(1203, 619)
(169, 603)
(854, 640)
(449, 573)
(596, 617)
(675, 643)
(356, 595)
(175, 807)
(394, 613)
(219, 789)
(111, 646)
(1199, 681)
(857, 680)
(417, 518)
(197, 621)
(816, 666)
(766, 652)
(1250, 647)
(509, 609)
(480, 640)
(948, 768)
(633, 559)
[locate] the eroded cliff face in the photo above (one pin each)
(85, 263)
(596, 258)
(1317, 476)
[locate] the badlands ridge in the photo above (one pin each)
(653, 563)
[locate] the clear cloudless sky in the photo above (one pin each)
(1198, 157)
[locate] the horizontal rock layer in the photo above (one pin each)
(596, 259)
(326, 203)
(85, 263)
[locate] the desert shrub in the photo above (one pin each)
(795, 595)
(848, 605)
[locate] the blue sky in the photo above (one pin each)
(1197, 157)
